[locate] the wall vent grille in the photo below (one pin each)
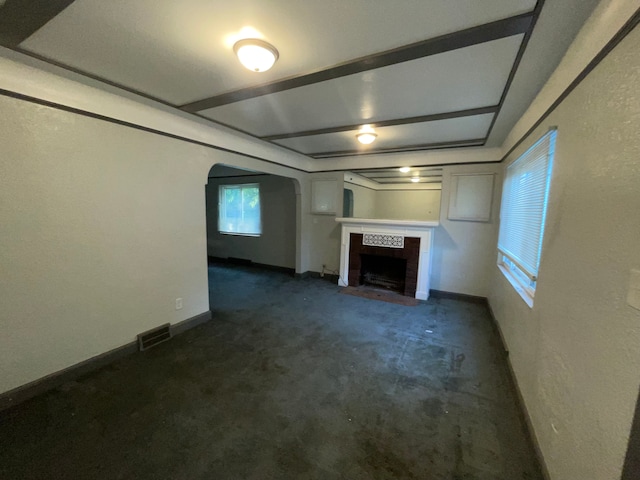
(382, 240)
(153, 337)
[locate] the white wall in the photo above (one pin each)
(576, 353)
(103, 227)
(463, 252)
(407, 204)
(364, 200)
(277, 243)
(397, 202)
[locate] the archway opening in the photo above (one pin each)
(251, 220)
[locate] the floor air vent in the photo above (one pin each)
(153, 337)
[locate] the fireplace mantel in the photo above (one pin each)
(405, 228)
(392, 223)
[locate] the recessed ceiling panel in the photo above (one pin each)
(181, 51)
(393, 181)
(393, 176)
(466, 78)
(389, 174)
(450, 130)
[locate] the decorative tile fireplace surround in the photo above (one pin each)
(404, 239)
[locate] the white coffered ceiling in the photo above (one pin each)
(426, 73)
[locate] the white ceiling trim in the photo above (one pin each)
(28, 76)
(200, 33)
(31, 77)
(409, 159)
(35, 78)
(355, 179)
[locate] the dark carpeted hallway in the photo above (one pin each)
(290, 380)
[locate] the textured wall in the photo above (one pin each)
(102, 230)
(103, 227)
(576, 353)
(464, 252)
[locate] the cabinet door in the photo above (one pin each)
(323, 196)
(470, 197)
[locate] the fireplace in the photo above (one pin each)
(379, 264)
(409, 241)
(383, 272)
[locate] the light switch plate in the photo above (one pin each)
(633, 296)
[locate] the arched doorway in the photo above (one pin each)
(251, 219)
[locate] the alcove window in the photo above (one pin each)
(239, 210)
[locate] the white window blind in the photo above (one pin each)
(239, 209)
(524, 205)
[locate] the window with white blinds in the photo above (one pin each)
(523, 211)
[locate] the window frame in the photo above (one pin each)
(522, 281)
(518, 279)
(221, 208)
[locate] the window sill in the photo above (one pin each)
(526, 296)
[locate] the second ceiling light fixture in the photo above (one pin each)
(259, 56)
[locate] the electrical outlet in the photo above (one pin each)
(178, 303)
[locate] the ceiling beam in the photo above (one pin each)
(452, 41)
(19, 19)
(409, 148)
(385, 123)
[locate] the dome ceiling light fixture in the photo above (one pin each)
(366, 135)
(415, 179)
(255, 54)
(405, 169)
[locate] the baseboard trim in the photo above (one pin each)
(329, 277)
(458, 296)
(189, 323)
(631, 465)
(531, 434)
(249, 263)
(54, 380)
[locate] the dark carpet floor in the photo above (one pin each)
(290, 380)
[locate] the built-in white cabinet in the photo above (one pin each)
(323, 196)
(470, 197)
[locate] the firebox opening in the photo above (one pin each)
(385, 272)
